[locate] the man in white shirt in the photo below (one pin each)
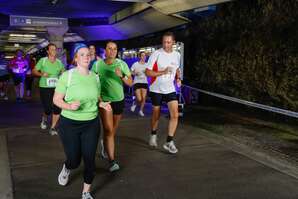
(163, 68)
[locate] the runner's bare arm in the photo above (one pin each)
(178, 78)
(152, 73)
(58, 100)
(127, 80)
(39, 73)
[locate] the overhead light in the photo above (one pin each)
(23, 35)
(29, 36)
(8, 57)
(54, 2)
(15, 35)
(17, 45)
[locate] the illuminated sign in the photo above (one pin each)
(37, 21)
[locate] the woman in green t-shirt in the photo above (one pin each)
(49, 69)
(113, 73)
(77, 93)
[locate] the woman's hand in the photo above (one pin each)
(118, 72)
(105, 105)
(44, 74)
(74, 105)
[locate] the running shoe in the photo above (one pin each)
(141, 113)
(63, 176)
(133, 108)
(43, 124)
(170, 147)
(86, 195)
(114, 166)
(53, 131)
(153, 140)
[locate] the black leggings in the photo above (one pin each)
(46, 97)
(79, 139)
(29, 82)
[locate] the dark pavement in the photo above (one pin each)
(201, 169)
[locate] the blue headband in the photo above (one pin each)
(78, 46)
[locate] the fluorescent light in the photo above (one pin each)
(15, 35)
(23, 35)
(16, 45)
(31, 36)
(8, 57)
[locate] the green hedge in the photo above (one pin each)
(248, 50)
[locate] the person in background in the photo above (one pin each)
(4, 76)
(49, 69)
(140, 83)
(19, 67)
(93, 55)
(29, 77)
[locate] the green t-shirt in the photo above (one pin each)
(53, 69)
(83, 88)
(111, 84)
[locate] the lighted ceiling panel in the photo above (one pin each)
(175, 6)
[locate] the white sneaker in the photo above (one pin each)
(114, 167)
(153, 140)
(133, 108)
(53, 131)
(103, 152)
(86, 195)
(141, 113)
(170, 147)
(63, 176)
(43, 124)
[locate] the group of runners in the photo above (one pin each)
(91, 94)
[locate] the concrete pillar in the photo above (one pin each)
(55, 36)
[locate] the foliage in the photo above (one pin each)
(248, 49)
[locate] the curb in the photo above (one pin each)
(271, 159)
(6, 190)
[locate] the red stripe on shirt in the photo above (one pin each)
(155, 68)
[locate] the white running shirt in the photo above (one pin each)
(140, 76)
(158, 61)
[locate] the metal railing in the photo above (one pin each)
(248, 103)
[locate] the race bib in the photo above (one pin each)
(52, 82)
(168, 77)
